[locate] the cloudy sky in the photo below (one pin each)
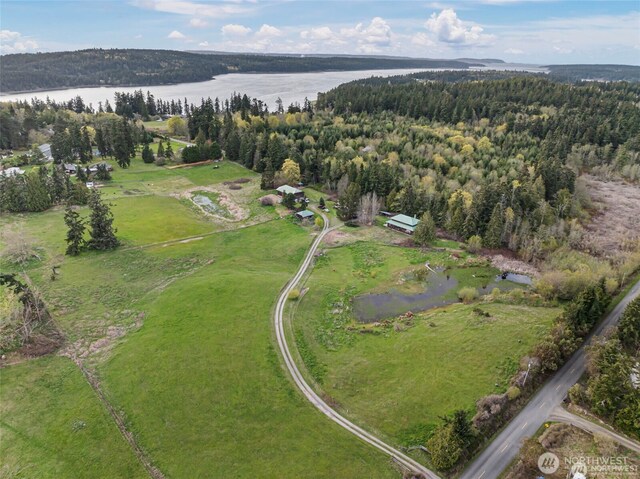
(540, 31)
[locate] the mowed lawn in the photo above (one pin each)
(52, 426)
(400, 382)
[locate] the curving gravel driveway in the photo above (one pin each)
(308, 392)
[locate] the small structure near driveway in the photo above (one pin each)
(290, 190)
(70, 169)
(304, 215)
(403, 223)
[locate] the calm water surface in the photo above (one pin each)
(268, 87)
(290, 87)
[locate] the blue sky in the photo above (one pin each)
(540, 31)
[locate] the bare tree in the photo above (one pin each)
(25, 315)
(342, 185)
(19, 247)
(368, 208)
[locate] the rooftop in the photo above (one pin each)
(305, 214)
(289, 190)
(405, 220)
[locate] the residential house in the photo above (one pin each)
(403, 223)
(93, 168)
(290, 190)
(70, 169)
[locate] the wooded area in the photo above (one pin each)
(131, 67)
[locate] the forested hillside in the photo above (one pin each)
(129, 67)
(576, 73)
(495, 162)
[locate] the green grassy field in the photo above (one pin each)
(155, 125)
(398, 380)
(53, 426)
(180, 336)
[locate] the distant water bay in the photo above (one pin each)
(268, 87)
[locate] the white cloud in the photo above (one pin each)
(203, 44)
(268, 31)
(234, 30)
(448, 28)
(198, 23)
(371, 38)
(194, 9)
(513, 51)
(14, 42)
(320, 33)
(138, 36)
(422, 39)
(8, 35)
(588, 39)
(176, 35)
(562, 50)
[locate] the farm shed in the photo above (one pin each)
(304, 214)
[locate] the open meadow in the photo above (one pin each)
(175, 326)
(398, 375)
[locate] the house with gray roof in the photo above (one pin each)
(290, 190)
(403, 223)
(304, 215)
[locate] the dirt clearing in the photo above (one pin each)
(617, 220)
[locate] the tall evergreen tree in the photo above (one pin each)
(102, 173)
(349, 202)
(75, 231)
(86, 153)
(101, 142)
(268, 176)
(121, 143)
(81, 174)
(147, 154)
(103, 235)
(60, 144)
(493, 235)
(37, 194)
(168, 152)
(425, 232)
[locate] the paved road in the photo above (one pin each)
(308, 392)
(499, 454)
(562, 415)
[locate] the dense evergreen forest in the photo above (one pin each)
(130, 67)
(574, 73)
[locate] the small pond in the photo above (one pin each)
(515, 278)
(208, 205)
(439, 287)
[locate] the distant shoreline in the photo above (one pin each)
(75, 87)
